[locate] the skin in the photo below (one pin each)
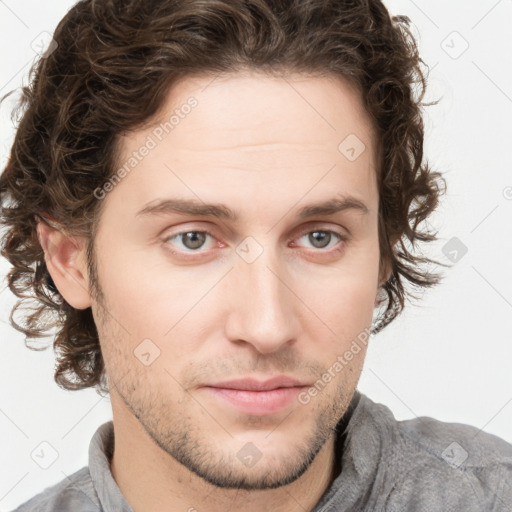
(214, 316)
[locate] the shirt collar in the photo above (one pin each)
(101, 449)
(366, 449)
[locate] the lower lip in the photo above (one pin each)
(257, 402)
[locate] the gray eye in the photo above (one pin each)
(320, 239)
(190, 240)
(193, 239)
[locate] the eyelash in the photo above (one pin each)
(342, 239)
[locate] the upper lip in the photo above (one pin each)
(250, 384)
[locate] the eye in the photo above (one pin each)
(321, 238)
(191, 240)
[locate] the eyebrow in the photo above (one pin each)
(221, 211)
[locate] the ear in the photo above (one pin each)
(384, 275)
(67, 264)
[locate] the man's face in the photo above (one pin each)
(270, 293)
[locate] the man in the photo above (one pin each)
(210, 195)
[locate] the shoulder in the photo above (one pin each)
(453, 464)
(75, 492)
(457, 444)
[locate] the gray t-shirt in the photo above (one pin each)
(418, 465)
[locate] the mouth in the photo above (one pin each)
(257, 398)
(257, 403)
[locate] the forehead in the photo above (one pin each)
(252, 133)
(251, 108)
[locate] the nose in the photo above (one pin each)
(263, 306)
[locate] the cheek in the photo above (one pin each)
(344, 297)
(345, 313)
(169, 305)
(129, 296)
(344, 303)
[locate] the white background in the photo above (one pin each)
(449, 357)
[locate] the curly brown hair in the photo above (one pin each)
(110, 72)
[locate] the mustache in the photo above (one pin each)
(262, 367)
